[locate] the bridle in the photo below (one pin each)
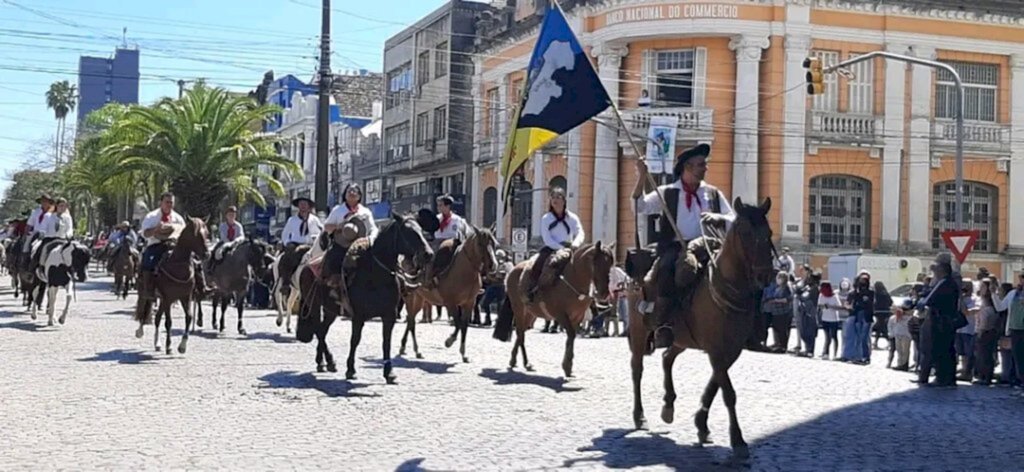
(398, 243)
(726, 301)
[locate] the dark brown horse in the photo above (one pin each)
(125, 265)
(565, 302)
(456, 290)
(231, 278)
(175, 280)
(718, 320)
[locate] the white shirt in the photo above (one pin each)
(687, 219)
(51, 229)
(555, 237)
(615, 277)
(341, 214)
(153, 219)
(293, 230)
(456, 227)
(830, 308)
(785, 262)
(34, 222)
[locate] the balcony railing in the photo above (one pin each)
(993, 138)
(695, 124)
(845, 128)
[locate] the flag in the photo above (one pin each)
(562, 91)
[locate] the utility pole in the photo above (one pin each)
(181, 88)
(323, 122)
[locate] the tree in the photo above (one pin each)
(206, 146)
(25, 188)
(61, 98)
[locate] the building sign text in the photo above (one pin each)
(672, 12)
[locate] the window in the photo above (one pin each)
(398, 85)
(396, 143)
(840, 213)
(441, 60)
(828, 101)
(494, 106)
(980, 83)
(406, 191)
(371, 189)
(302, 150)
(522, 206)
(862, 87)
(490, 206)
(456, 183)
(515, 91)
(423, 68)
(422, 127)
(558, 182)
(979, 213)
(440, 123)
(434, 186)
(673, 81)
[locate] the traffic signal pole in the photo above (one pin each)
(816, 87)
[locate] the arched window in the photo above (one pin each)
(560, 182)
(979, 213)
(522, 206)
(840, 211)
(490, 206)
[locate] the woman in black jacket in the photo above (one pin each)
(883, 310)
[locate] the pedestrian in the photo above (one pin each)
(941, 306)
(766, 315)
(883, 310)
(780, 300)
(1013, 303)
(856, 334)
(618, 280)
(1007, 368)
(898, 329)
(830, 306)
(987, 335)
(796, 286)
(964, 338)
(807, 300)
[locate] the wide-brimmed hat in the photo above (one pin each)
(427, 220)
(295, 202)
(124, 224)
(700, 150)
(231, 209)
(44, 196)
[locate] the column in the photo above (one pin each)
(500, 135)
(572, 177)
(1015, 216)
(892, 171)
(538, 205)
(474, 193)
(793, 144)
(745, 131)
(919, 189)
(606, 149)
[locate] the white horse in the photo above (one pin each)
(62, 263)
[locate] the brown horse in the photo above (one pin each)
(175, 280)
(125, 265)
(565, 302)
(718, 320)
(456, 290)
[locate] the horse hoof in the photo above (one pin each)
(419, 356)
(641, 424)
(741, 452)
(61, 319)
(465, 360)
(350, 375)
(33, 315)
(529, 368)
(320, 368)
(401, 352)
(668, 414)
(391, 379)
(279, 322)
(332, 367)
(242, 332)
(168, 351)
(447, 342)
(139, 332)
(181, 348)
(289, 330)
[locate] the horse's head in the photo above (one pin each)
(483, 243)
(602, 263)
(80, 257)
(409, 241)
(751, 238)
(194, 237)
(256, 256)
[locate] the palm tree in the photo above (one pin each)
(61, 99)
(206, 146)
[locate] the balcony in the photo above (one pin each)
(979, 137)
(834, 127)
(695, 124)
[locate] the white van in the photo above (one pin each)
(892, 271)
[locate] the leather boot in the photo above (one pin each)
(659, 321)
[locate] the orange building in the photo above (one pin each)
(866, 166)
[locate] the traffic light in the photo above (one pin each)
(815, 76)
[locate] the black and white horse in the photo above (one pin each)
(61, 263)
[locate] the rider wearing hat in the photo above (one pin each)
(354, 221)
(303, 228)
(559, 229)
(158, 227)
(693, 203)
(56, 226)
(230, 231)
(450, 226)
(121, 235)
(35, 219)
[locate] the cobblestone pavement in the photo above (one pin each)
(89, 395)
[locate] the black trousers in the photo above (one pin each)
(538, 265)
(937, 351)
(666, 267)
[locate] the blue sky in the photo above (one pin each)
(230, 43)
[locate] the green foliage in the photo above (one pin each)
(25, 187)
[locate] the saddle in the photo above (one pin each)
(444, 256)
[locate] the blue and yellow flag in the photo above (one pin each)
(562, 91)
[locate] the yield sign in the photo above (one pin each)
(960, 243)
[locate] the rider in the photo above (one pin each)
(35, 220)
(693, 203)
(122, 234)
(55, 226)
(561, 230)
(157, 227)
(355, 221)
(451, 226)
(231, 232)
(300, 231)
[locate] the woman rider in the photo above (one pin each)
(560, 229)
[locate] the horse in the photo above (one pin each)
(125, 263)
(58, 266)
(456, 289)
(282, 290)
(566, 302)
(14, 262)
(231, 278)
(718, 319)
(174, 281)
(373, 285)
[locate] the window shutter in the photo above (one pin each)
(700, 73)
(649, 79)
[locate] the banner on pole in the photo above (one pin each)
(661, 144)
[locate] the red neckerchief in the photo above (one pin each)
(691, 195)
(231, 231)
(165, 217)
(445, 221)
(351, 210)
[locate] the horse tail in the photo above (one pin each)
(503, 327)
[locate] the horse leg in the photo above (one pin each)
(186, 306)
(357, 335)
(740, 450)
(570, 342)
(388, 326)
(325, 327)
(700, 419)
(167, 325)
(156, 325)
(455, 334)
(667, 360)
(51, 300)
(463, 323)
(320, 344)
(213, 312)
(67, 305)
(223, 299)
(240, 306)
(636, 364)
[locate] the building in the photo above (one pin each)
(428, 114)
(868, 166)
(103, 80)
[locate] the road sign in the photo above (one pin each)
(960, 243)
(519, 239)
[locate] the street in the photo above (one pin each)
(89, 395)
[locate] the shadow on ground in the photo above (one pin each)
(276, 337)
(328, 386)
(627, 448)
(120, 356)
(30, 326)
(510, 377)
(403, 363)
